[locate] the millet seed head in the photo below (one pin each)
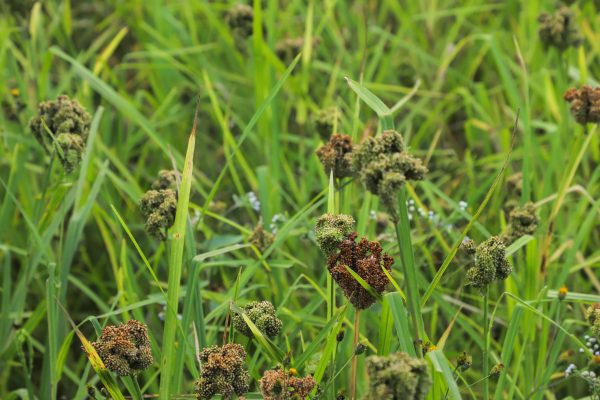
(263, 315)
(592, 315)
(125, 349)
(158, 208)
(240, 19)
(261, 238)
(491, 264)
(464, 361)
(522, 221)
(331, 230)
(336, 156)
(324, 121)
(167, 179)
(397, 377)
(278, 384)
(384, 165)
(223, 372)
(496, 370)
(68, 124)
(366, 259)
(585, 104)
(559, 29)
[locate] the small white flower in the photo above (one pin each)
(462, 205)
(253, 200)
(581, 350)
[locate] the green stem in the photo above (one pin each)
(402, 226)
(355, 357)
(486, 344)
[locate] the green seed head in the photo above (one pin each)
(125, 349)
(464, 361)
(331, 230)
(261, 238)
(397, 376)
(159, 208)
(593, 317)
(240, 19)
(62, 125)
(522, 221)
(490, 264)
(223, 372)
(559, 29)
(167, 179)
(325, 121)
(384, 165)
(263, 315)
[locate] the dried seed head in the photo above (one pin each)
(585, 104)
(69, 126)
(365, 258)
(383, 165)
(490, 264)
(336, 156)
(464, 361)
(125, 349)
(240, 19)
(592, 315)
(331, 230)
(159, 208)
(263, 315)
(559, 29)
(222, 372)
(167, 179)
(278, 384)
(397, 376)
(325, 122)
(522, 221)
(260, 238)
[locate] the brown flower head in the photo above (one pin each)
(222, 372)
(522, 221)
(336, 156)
(62, 124)
(125, 349)
(397, 376)
(559, 29)
(384, 165)
(585, 104)
(277, 384)
(159, 208)
(366, 259)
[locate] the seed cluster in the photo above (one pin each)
(263, 315)
(522, 221)
(397, 377)
(62, 124)
(240, 19)
(559, 29)
(384, 165)
(158, 208)
(331, 230)
(336, 156)
(325, 121)
(585, 104)
(167, 179)
(261, 238)
(222, 372)
(277, 384)
(125, 349)
(593, 317)
(366, 259)
(490, 264)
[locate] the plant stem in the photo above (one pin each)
(486, 344)
(402, 226)
(355, 357)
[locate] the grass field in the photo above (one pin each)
(231, 98)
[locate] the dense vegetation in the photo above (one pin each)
(295, 199)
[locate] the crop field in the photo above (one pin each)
(299, 199)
